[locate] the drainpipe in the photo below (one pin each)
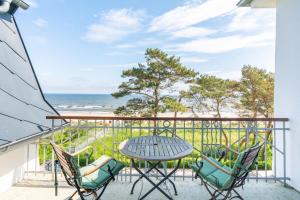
(4, 8)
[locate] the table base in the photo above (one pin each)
(166, 177)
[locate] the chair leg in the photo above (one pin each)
(238, 196)
(81, 196)
(102, 191)
(71, 197)
(227, 195)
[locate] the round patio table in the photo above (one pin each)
(154, 150)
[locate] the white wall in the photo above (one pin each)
(287, 82)
(13, 165)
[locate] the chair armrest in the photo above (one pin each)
(223, 150)
(97, 167)
(229, 149)
(217, 166)
(81, 151)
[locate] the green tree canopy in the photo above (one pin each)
(212, 94)
(257, 92)
(152, 84)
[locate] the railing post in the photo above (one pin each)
(193, 144)
(113, 138)
(274, 152)
(52, 152)
(131, 164)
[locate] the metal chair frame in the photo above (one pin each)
(64, 162)
(239, 176)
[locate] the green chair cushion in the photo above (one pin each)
(213, 175)
(100, 177)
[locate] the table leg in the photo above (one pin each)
(149, 170)
(150, 181)
(161, 173)
(156, 186)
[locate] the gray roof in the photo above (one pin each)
(257, 3)
(244, 3)
(23, 108)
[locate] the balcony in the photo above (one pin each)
(206, 135)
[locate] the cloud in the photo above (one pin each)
(192, 60)
(241, 28)
(226, 43)
(191, 13)
(125, 46)
(114, 25)
(247, 19)
(191, 32)
(41, 23)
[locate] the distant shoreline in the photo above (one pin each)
(103, 105)
(106, 114)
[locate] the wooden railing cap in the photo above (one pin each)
(163, 118)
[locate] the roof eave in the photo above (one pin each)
(257, 3)
(244, 3)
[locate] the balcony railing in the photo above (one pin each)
(206, 135)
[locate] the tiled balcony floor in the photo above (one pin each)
(187, 190)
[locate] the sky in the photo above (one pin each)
(83, 46)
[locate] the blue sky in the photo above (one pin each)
(83, 46)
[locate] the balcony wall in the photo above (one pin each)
(287, 71)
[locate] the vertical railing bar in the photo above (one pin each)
(202, 136)
(193, 144)
(184, 160)
(211, 138)
(113, 138)
(256, 167)
(70, 136)
(230, 146)
(266, 155)
(239, 135)
(61, 131)
(44, 157)
(77, 142)
(52, 153)
(274, 152)
(140, 132)
(130, 170)
(249, 129)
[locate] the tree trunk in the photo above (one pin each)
(223, 132)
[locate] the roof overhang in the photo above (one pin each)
(257, 3)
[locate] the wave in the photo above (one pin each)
(83, 107)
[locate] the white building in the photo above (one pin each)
(287, 75)
(23, 108)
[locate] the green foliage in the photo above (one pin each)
(257, 92)
(151, 82)
(108, 143)
(209, 93)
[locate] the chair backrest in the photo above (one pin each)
(246, 159)
(67, 164)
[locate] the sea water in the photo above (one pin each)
(85, 102)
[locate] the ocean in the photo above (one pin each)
(85, 102)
